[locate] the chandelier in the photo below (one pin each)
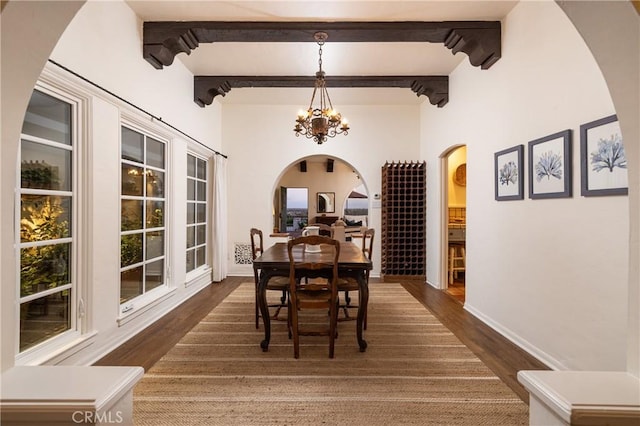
(323, 121)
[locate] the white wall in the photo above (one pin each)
(266, 145)
(616, 48)
(102, 44)
(549, 274)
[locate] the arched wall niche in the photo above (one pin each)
(320, 174)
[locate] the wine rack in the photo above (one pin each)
(403, 221)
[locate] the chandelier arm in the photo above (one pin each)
(313, 96)
(320, 123)
(323, 98)
(328, 98)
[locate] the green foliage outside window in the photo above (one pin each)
(47, 266)
(130, 249)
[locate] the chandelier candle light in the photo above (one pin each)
(324, 121)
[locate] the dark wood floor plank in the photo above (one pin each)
(148, 346)
(503, 357)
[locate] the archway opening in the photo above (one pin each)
(454, 216)
(334, 190)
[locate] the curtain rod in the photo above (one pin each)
(135, 106)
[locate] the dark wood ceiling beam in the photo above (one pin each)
(480, 40)
(435, 88)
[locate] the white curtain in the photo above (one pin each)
(219, 217)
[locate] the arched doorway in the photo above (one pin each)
(454, 221)
(314, 189)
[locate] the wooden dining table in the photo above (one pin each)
(274, 262)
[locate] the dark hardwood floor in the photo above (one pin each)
(503, 357)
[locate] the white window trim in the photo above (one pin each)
(132, 308)
(144, 303)
(206, 203)
(203, 274)
(78, 335)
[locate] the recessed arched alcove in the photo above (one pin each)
(332, 186)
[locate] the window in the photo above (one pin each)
(295, 206)
(142, 229)
(47, 284)
(196, 212)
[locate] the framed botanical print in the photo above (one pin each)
(509, 182)
(602, 158)
(550, 168)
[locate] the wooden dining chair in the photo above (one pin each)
(347, 284)
(317, 294)
(280, 284)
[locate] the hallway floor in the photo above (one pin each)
(457, 290)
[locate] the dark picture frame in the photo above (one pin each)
(326, 202)
(550, 166)
(603, 162)
(509, 174)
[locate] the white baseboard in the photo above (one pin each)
(123, 334)
(533, 350)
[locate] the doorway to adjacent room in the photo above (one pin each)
(455, 216)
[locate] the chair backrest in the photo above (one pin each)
(316, 263)
(367, 242)
(256, 248)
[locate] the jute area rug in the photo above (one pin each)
(414, 372)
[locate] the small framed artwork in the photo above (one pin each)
(326, 202)
(602, 158)
(550, 166)
(509, 173)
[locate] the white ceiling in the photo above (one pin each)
(338, 58)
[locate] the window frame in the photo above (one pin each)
(79, 116)
(139, 304)
(206, 266)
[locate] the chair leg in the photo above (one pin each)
(345, 309)
(296, 336)
(283, 300)
(364, 320)
(347, 302)
(289, 320)
(296, 345)
(457, 262)
(333, 329)
(452, 253)
(256, 313)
